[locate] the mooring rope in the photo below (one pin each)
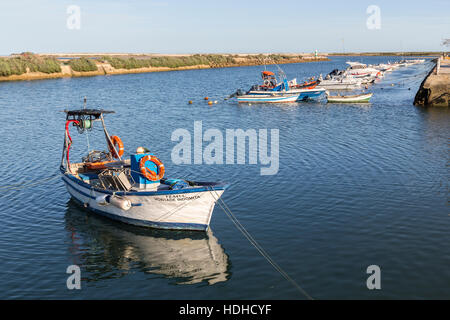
(258, 247)
(224, 207)
(20, 186)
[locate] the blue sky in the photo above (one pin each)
(170, 26)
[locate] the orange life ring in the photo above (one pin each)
(118, 144)
(149, 174)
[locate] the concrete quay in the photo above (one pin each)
(435, 89)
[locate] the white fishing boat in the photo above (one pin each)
(358, 69)
(282, 96)
(383, 67)
(133, 190)
(357, 98)
(339, 83)
(274, 91)
(405, 63)
(416, 61)
(410, 62)
(368, 79)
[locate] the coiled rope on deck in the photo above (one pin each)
(258, 247)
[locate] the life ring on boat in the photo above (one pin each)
(149, 174)
(118, 144)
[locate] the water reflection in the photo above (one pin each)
(436, 123)
(105, 249)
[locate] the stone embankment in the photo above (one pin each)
(435, 89)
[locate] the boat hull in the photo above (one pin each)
(266, 98)
(188, 209)
(340, 86)
(294, 95)
(356, 99)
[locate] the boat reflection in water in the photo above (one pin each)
(106, 249)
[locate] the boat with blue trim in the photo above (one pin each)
(133, 190)
(274, 91)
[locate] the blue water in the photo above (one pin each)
(358, 185)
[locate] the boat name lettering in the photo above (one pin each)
(177, 197)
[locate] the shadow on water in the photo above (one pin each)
(106, 249)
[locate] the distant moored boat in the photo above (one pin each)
(357, 98)
(273, 91)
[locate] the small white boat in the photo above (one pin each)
(357, 69)
(416, 61)
(357, 98)
(133, 190)
(410, 62)
(368, 79)
(339, 83)
(383, 67)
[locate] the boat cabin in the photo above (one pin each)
(269, 79)
(107, 169)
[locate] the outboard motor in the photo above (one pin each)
(236, 94)
(334, 72)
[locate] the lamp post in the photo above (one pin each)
(446, 43)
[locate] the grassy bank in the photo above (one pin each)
(169, 61)
(83, 65)
(29, 66)
(211, 60)
(28, 62)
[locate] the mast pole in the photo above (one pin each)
(108, 138)
(64, 147)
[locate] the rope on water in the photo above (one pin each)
(24, 185)
(258, 247)
(224, 207)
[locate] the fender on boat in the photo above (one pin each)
(121, 203)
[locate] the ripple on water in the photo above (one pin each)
(357, 185)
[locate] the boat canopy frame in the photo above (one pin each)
(77, 118)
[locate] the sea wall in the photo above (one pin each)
(435, 88)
